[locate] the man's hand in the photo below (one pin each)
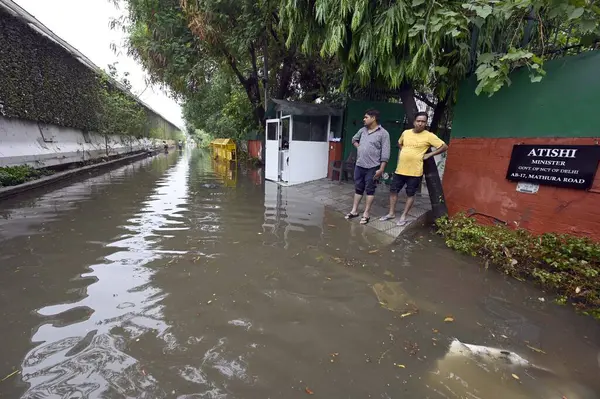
(355, 144)
(427, 156)
(378, 174)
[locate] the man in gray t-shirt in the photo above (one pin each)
(372, 144)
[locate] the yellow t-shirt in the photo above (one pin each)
(414, 146)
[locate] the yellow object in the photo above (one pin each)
(224, 150)
(414, 146)
(226, 172)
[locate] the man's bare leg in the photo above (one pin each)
(392, 212)
(367, 212)
(409, 203)
(357, 198)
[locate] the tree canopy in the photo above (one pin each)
(437, 44)
(193, 47)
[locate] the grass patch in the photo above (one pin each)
(15, 175)
(563, 264)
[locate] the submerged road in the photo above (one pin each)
(176, 277)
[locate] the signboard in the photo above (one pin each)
(570, 166)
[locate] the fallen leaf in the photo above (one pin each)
(536, 349)
(374, 251)
(516, 377)
(308, 391)
(577, 290)
(400, 365)
(449, 319)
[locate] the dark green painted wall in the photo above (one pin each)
(392, 119)
(566, 103)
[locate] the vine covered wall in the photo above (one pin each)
(42, 82)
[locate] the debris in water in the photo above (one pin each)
(449, 319)
(309, 391)
(209, 302)
(331, 225)
(374, 251)
(407, 314)
(10, 375)
(541, 299)
(400, 365)
(516, 377)
(536, 349)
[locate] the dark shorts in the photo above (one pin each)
(363, 180)
(412, 184)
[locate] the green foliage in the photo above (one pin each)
(120, 113)
(221, 109)
(567, 265)
(14, 175)
(41, 82)
(434, 44)
(195, 48)
(44, 83)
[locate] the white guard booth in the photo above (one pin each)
(297, 142)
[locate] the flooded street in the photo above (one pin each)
(174, 277)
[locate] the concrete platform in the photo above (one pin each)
(339, 196)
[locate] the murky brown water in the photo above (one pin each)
(170, 279)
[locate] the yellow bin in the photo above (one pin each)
(224, 149)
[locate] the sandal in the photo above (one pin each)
(364, 220)
(351, 215)
(402, 223)
(387, 217)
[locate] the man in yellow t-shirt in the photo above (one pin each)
(414, 144)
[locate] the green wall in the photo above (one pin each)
(391, 118)
(566, 103)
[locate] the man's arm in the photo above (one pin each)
(439, 144)
(356, 138)
(385, 156)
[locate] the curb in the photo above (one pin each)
(11, 191)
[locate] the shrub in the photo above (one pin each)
(13, 175)
(564, 264)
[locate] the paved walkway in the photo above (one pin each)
(339, 196)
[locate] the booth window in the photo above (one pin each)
(272, 131)
(310, 128)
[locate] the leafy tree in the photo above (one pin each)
(411, 44)
(184, 45)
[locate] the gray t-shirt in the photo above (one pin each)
(374, 147)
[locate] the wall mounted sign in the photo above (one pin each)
(570, 166)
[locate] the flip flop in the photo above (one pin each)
(387, 217)
(402, 222)
(351, 215)
(364, 220)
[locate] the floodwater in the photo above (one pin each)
(175, 277)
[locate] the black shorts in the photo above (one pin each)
(412, 184)
(364, 180)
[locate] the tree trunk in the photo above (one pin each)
(432, 176)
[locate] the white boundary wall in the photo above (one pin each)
(40, 145)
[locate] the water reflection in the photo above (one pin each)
(286, 212)
(29, 216)
(122, 299)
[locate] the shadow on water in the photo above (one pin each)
(181, 277)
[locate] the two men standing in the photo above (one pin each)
(373, 154)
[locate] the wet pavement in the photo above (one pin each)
(175, 277)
